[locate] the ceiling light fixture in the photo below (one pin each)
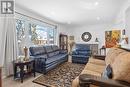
(96, 3)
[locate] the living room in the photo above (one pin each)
(64, 43)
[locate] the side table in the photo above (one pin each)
(103, 51)
(22, 68)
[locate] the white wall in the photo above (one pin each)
(122, 22)
(128, 23)
(97, 31)
(61, 29)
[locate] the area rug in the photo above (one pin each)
(61, 76)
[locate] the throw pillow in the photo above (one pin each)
(56, 52)
(51, 54)
(107, 72)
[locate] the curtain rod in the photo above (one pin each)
(35, 18)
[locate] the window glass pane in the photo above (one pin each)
(51, 36)
(38, 34)
(20, 30)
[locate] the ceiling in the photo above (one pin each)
(75, 12)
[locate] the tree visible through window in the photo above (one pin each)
(20, 28)
(29, 33)
(51, 36)
(41, 35)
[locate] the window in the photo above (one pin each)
(41, 35)
(38, 34)
(20, 30)
(29, 33)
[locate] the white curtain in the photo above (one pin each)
(8, 44)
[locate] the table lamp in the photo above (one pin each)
(25, 53)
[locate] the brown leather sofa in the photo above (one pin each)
(91, 76)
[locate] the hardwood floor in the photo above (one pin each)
(10, 82)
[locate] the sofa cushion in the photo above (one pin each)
(80, 56)
(55, 58)
(112, 54)
(55, 48)
(121, 67)
(38, 50)
(39, 56)
(63, 51)
(56, 52)
(83, 52)
(51, 54)
(82, 47)
(48, 48)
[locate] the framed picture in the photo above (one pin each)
(112, 38)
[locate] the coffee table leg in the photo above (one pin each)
(15, 71)
(34, 68)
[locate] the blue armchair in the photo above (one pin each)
(81, 53)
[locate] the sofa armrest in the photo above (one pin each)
(78, 52)
(90, 52)
(85, 80)
(74, 52)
